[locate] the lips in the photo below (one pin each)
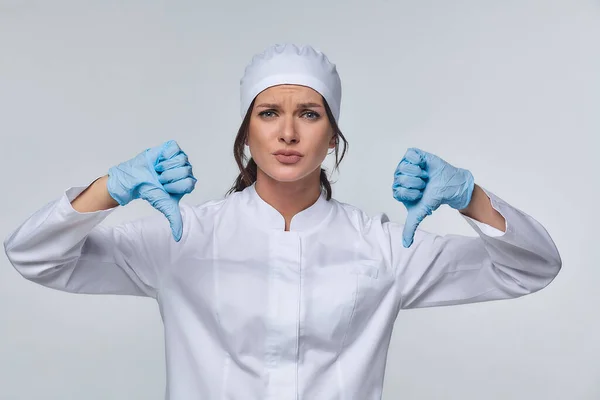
(291, 159)
(287, 153)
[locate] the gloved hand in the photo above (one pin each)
(160, 175)
(423, 182)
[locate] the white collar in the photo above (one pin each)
(267, 217)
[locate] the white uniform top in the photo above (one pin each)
(254, 312)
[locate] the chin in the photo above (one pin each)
(286, 177)
(291, 173)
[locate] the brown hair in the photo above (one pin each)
(248, 172)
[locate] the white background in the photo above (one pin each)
(509, 90)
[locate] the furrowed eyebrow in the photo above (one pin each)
(300, 105)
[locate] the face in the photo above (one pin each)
(289, 117)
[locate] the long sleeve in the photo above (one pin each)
(64, 249)
(441, 270)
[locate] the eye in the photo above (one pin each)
(311, 114)
(266, 113)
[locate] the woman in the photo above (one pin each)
(278, 291)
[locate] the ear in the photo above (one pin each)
(332, 142)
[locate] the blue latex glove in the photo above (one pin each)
(160, 175)
(423, 182)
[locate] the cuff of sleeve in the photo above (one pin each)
(486, 229)
(72, 192)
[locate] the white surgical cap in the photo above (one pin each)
(295, 65)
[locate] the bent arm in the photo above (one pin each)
(453, 269)
(62, 248)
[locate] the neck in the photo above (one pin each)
(289, 198)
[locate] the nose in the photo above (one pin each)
(288, 131)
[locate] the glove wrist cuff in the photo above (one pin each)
(465, 199)
(120, 194)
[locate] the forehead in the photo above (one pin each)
(280, 92)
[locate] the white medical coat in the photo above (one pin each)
(251, 311)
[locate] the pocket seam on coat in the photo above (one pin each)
(370, 269)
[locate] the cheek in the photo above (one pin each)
(259, 133)
(254, 139)
(259, 149)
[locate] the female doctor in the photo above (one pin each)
(278, 291)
